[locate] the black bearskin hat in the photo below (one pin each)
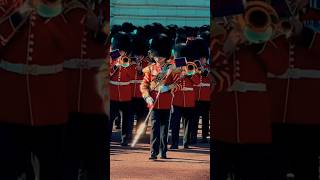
(182, 50)
(199, 48)
(127, 27)
(139, 46)
(121, 41)
(206, 37)
(161, 46)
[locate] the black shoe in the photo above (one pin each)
(152, 157)
(124, 144)
(129, 138)
(204, 140)
(193, 141)
(185, 146)
(174, 147)
(163, 157)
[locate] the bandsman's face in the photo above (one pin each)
(203, 60)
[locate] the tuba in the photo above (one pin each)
(258, 21)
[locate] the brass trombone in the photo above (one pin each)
(258, 21)
(191, 68)
(125, 61)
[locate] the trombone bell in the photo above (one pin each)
(125, 61)
(191, 68)
(259, 21)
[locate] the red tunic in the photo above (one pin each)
(296, 92)
(136, 82)
(240, 114)
(203, 89)
(120, 83)
(82, 66)
(149, 84)
(186, 96)
(32, 61)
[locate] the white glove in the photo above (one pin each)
(149, 100)
(164, 88)
(234, 38)
(116, 66)
(26, 7)
(297, 26)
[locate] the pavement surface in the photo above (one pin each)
(127, 163)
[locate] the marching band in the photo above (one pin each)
(165, 67)
(253, 78)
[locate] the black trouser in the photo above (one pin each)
(244, 161)
(202, 109)
(139, 110)
(118, 120)
(86, 147)
(124, 109)
(19, 144)
(159, 131)
(296, 150)
(188, 118)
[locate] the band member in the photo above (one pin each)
(184, 99)
(294, 103)
(241, 126)
(203, 89)
(156, 87)
(140, 54)
(87, 133)
(121, 74)
(34, 106)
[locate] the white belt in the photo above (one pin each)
(32, 69)
(83, 63)
(187, 89)
(203, 85)
(119, 83)
(297, 73)
(136, 81)
(241, 86)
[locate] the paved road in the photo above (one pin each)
(133, 163)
